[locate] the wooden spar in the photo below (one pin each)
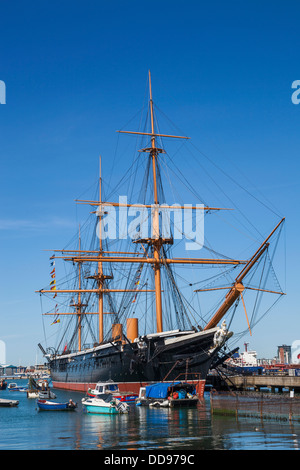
(154, 260)
(252, 261)
(266, 290)
(234, 292)
(151, 206)
(237, 289)
(242, 297)
(246, 287)
(64, 291)
(153, 134)
(85, 313)
(230, 298)
(96, 251)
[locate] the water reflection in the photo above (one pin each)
(143, 428)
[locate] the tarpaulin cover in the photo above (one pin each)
(159, 390)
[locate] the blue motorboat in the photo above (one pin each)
(13, 387)
(54, 406)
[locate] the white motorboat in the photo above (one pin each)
(13, 387)
(112, 388)
(7, 403)
(104, 403)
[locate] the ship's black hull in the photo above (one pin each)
(134, 364)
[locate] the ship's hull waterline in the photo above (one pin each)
(132, 365)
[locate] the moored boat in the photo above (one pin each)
(13, 387)
(104, 404)
(111, 387)
(168, 394)
(54, 406)
(44, 394)
(39, 389)
(7, 403)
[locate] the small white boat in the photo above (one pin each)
(42, 395)
(105, 404)
(13, 387)
(32, 394)
(46, 394)
(7, 403)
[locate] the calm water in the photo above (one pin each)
(26, 428)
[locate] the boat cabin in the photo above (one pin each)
(106, 387)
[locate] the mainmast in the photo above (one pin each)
(156, 233)
(100, 266)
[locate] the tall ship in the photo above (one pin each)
(117, 302)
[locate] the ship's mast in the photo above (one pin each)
(156, 234)
(78, 306)
(100, 266)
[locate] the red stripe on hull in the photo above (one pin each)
(129, 387)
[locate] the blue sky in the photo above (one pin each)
(75, 72)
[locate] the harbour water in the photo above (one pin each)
(26, 428)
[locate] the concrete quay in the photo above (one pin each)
(262, 381)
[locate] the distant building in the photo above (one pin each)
(284, 354)
(8, 369)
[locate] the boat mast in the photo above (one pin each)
(100, 266)
(78, 306)
(156, 234)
